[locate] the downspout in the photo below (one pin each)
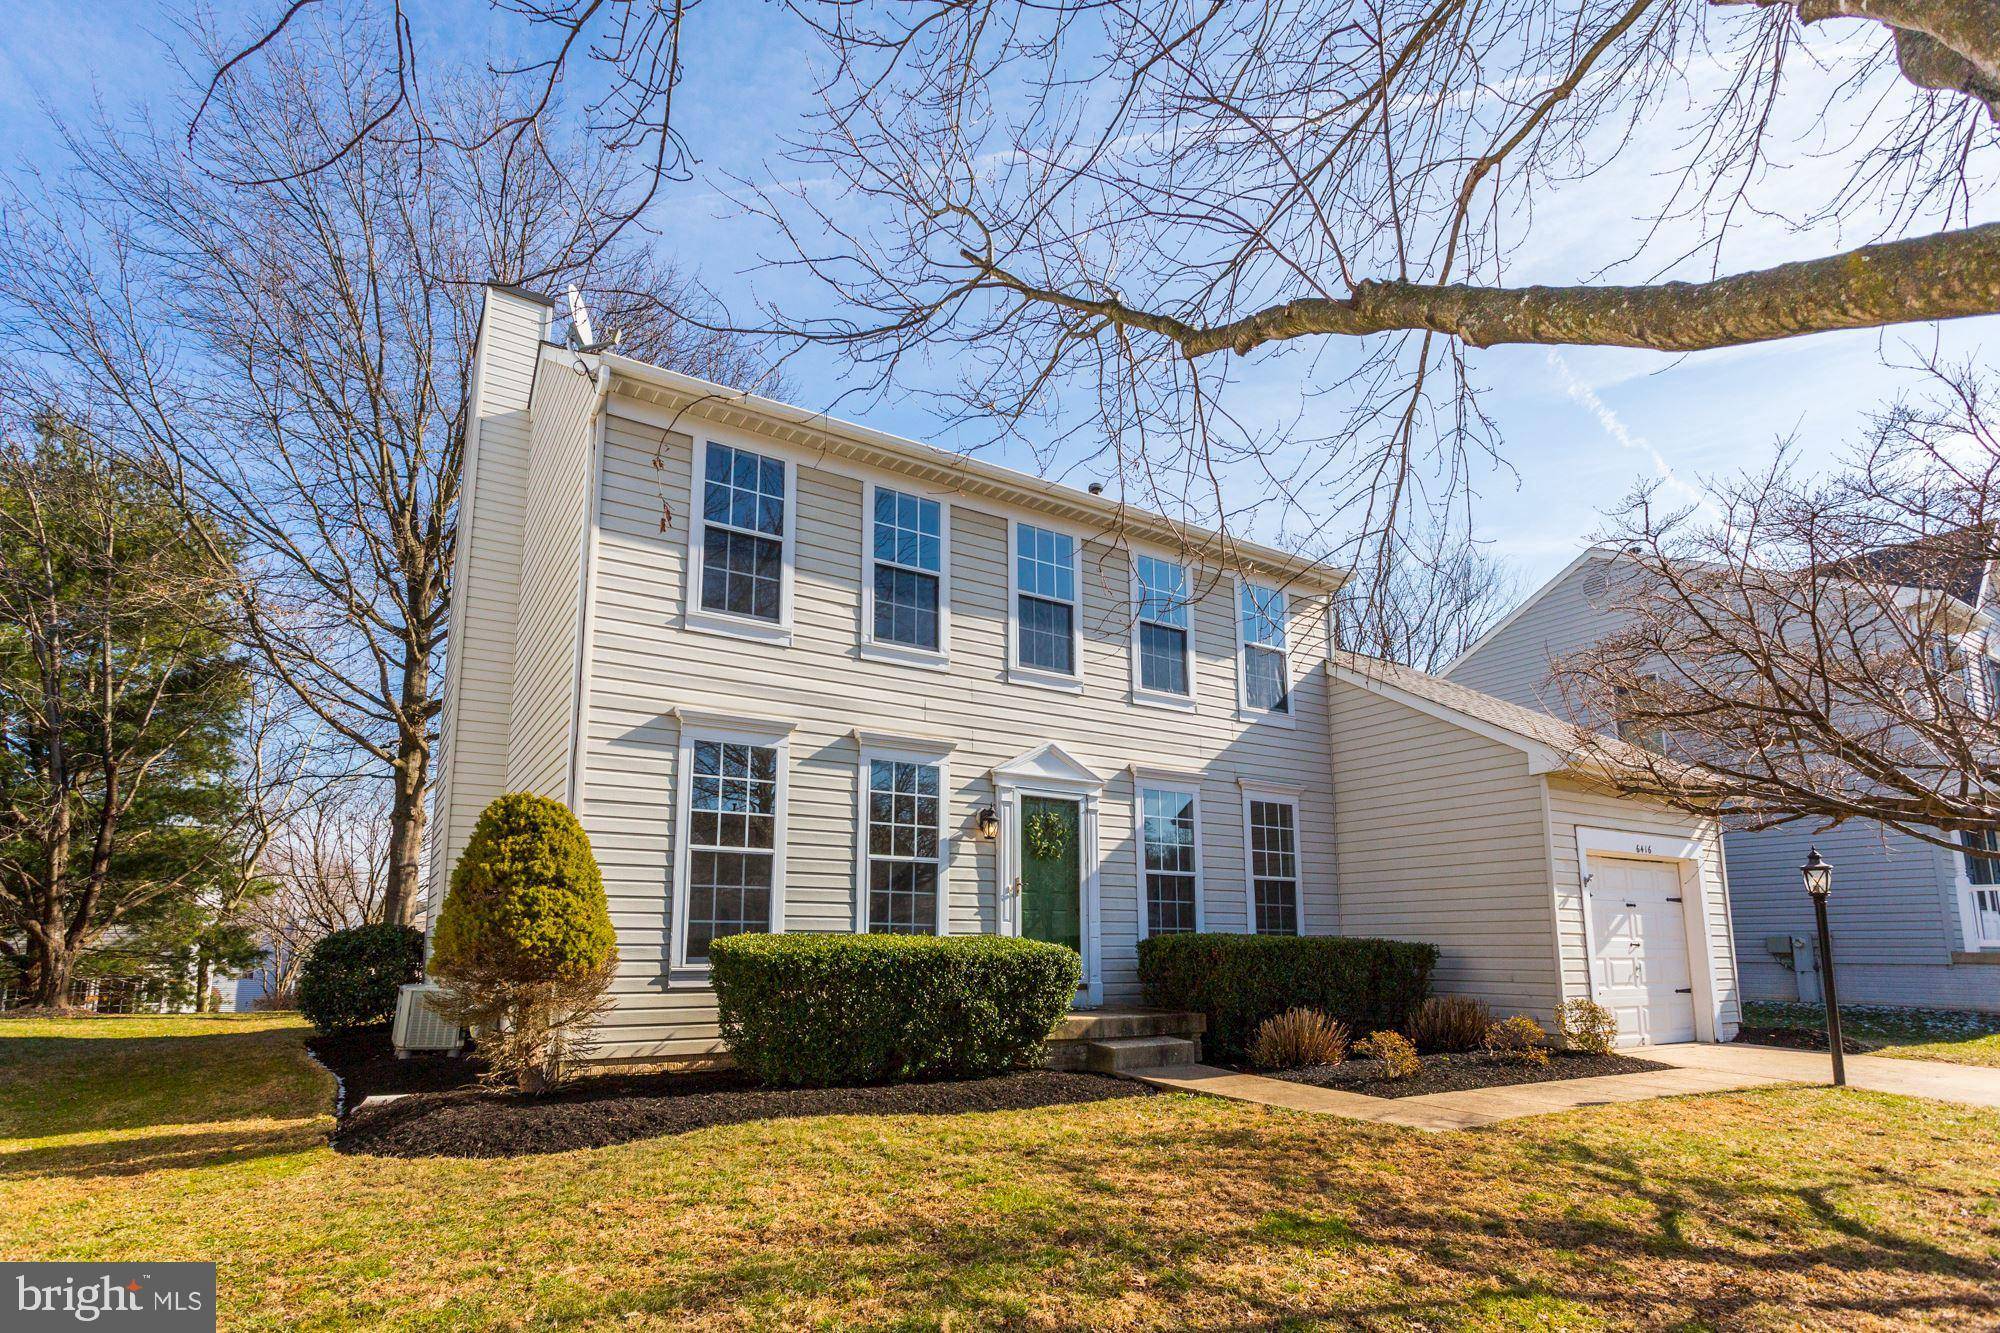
(586, 618)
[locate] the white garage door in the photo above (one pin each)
(1639, 949)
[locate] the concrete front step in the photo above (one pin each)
(1108, 1024)
(1121, 1055)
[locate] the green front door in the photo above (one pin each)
(1051, 871)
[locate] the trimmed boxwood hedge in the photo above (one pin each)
(826, 1010)
(350, 978)
(1238, 981)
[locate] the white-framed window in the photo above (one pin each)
(1264, 670)
(905, 576)
(729, 866)
(1989, 674)
(740, 532)
(1162, 632)
(1046, 644)
(1982, 874)
(904, 848)
(1271, 857)
(1169, 818)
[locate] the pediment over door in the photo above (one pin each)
(1047, 765)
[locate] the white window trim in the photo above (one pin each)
(694, 616)
(1244, 712)
(774, 736)
(1968, 914)
(1142, 696)
(1273, 796)
(1140, 787)
(909, 754)
(1038, 676)
(881, 650)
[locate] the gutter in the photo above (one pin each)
(586, 619)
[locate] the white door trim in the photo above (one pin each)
(1686, 855)
(1012, 781)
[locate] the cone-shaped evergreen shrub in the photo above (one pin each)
(524, 945)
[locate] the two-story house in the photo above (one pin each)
(1912, 923)
(796, 674)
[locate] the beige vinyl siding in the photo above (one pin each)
(1573, 805)
(479, 668)
(1442, 839)
(1513, 664)
(643, 664)
(556, 511)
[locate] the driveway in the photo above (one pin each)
(1972, 1085)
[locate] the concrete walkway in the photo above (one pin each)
(1696, 1069)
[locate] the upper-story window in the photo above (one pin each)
(1045, 600)
(907, 588)
(1163, 645)
(1266, 671)
(742, 551)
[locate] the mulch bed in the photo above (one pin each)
(444, 1115)
(1461, 1073)
(1802, 1039)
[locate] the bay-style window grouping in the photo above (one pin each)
(729, 872)
(740, 561)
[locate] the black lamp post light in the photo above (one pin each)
(1818, 875)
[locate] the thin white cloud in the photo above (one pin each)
(1614, 426)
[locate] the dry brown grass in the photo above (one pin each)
(1761, 1209)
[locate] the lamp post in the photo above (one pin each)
(1818, 875)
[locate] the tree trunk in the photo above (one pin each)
(412, 787)
(203, 966)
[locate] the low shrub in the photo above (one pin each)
(350, 978)
(1519, 1039)
(1298, 1038)
(1395, 1051)
(1238, 981)
(524, 946)
(1450, 1023)
(1585, 1025)
(826, 1010)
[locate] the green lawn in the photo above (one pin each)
(1910, 1034)
(203, 1138)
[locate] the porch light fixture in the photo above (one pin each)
(1818, 876)
(989, 823)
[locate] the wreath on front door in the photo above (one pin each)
(1047, 836)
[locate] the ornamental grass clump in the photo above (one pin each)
(1518, 1040)
(524, 947)
(1450, 1023)
(1298, 1039)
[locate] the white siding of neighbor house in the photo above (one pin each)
(1513, 662)
(471, 760)
(1442, 838)
(555, 517)
(1894, 916)
(643, 663)
(1573, 805)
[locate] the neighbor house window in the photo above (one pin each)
(1045, 600)
(1274, 865)
(734, 799)
(1266, 674)
(906, 582)
(1163, 640)
(1990, 672)
(1170, 857)
(904, 856)
(1982, 870)
(743, 522)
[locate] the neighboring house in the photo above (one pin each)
(1912, 923)
(796, 674)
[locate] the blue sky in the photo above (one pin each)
(1581, 425)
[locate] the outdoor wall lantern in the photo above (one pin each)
(1818, 875)
(989, 823)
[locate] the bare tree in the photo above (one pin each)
(325, 870)
(291, 346)
(1819, 653)
(1085, 207)
(1441, 593)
